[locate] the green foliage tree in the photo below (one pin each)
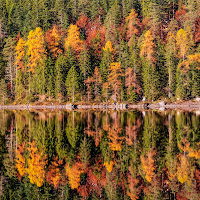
(72, 84)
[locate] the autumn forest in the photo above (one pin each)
(99, 50)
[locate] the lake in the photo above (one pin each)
(93, 154)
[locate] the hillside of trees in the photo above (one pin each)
(99, 50)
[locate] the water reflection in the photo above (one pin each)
(99, 155)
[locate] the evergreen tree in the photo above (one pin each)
(84, 63)
(149, 71)
(171, 64)
(72, 84)
(3, 91)
(107, 58)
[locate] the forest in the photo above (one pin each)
(99, 50)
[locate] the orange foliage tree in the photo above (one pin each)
(97, 83)
(133, 188)
(73, 39)
(36, 49)
(116, 141)
(54, 176)
(74, 173)
(114, 78)
(88, 83)
(36, 164)
(133, 24)
(147, 47)
(54, 43)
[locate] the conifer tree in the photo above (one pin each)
(72, 84)
(107, 58)
(73, 39)
(84, 63)
(3, 91)
(133, 24)
(114, 79)
(97, 84)
(149, 71)
(171, 64)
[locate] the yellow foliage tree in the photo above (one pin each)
(36, 165)
(109, 48)
(182, 43)
(148, 165)
(109, 165)
(116, 141)
(20, 52)
(147, 47)
(183, 169)
(73, 39)
(20, 159)
(74, 173)
(36, 49)
(190, 59)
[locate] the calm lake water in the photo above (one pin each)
(99, 155)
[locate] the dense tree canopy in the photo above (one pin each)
(157, 42)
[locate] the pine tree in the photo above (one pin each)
(171, 64)
(72, 84)
(149, 70)
(84, 63)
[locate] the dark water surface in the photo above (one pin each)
(99, 155)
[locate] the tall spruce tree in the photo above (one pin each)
(72, 84)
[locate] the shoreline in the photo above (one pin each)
(117, 106)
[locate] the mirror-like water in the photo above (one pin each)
(99, 155)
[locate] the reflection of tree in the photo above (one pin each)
(183, 169)
(96, 133)
(72, 130)
(133, 185)
(148, 165)
(116, 140)
(73, 172)
(20, 159)
(54, 176)
(85, 149)
(8, 161)
(36, 165)
(132, 130)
